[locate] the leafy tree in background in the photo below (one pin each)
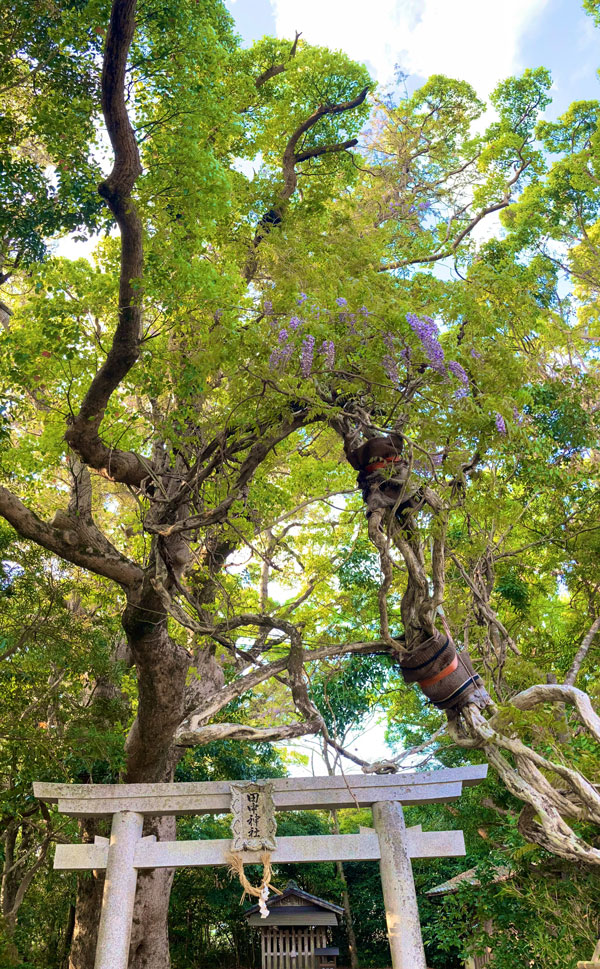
(64, 713)
(176, 414)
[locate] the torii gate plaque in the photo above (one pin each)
(391, 843)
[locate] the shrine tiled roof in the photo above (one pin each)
(275, 901)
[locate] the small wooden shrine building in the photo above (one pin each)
(297, 932)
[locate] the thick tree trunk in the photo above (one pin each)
(346, 901)
(87, 910)
(161, 666)
(150, 935)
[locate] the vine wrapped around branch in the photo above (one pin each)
(552, 792)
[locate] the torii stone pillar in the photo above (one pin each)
(114, 932)
(399, 896)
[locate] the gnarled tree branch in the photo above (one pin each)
(83, 432)
(291, 158)
(190, 736)
(72, 539)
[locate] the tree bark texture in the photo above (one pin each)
(150, 935)
(87, 910)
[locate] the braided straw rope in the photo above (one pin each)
(236, 867)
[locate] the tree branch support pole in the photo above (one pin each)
(400, 898)
(114, 933)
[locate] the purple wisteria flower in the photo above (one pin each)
(364, 311)
(283, 336)
(302, 299)
(500, 424)
(295, 322)
(391, 369)
(388, 339)
(475, 354)
(517, 416)
(341, 301)
(286, 353)
(306, 356)
(461, 374)
(280, 356)
(328, 350)
(427, 332)
(267, 307)
(349, 319)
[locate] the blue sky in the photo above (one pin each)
(481, 41)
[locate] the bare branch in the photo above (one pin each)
(482, 603)
(242, 684)
(324, 150)
(394, 764)
(189, 736)
(276, 69)
(290, 158)
(582, 652)
(288, 166)
(256, 455)
(28, 878)
(452, 247)
(71, 539)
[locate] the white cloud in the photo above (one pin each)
(475, 40)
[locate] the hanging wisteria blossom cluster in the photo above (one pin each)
(306, 357)
(284, 351)
(460, 373)
(426, 331)
(293, 340)
(428, 334)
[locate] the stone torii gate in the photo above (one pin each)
(390, 843)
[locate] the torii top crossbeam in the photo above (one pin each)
(289, 793)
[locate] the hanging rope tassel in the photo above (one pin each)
(236, 867)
